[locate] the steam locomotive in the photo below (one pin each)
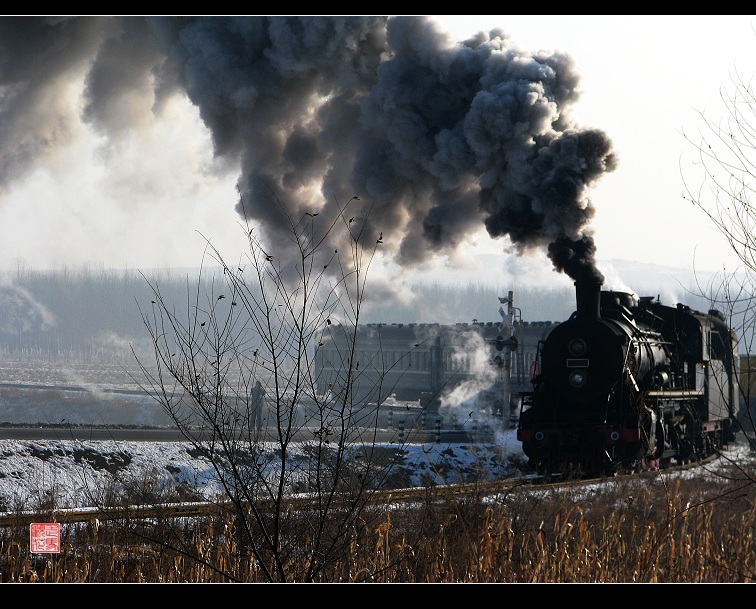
(628, 383)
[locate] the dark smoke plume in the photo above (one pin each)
(441, 138)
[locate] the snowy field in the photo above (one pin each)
(71, 473)
(68, 473)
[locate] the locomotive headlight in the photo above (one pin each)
(578, 378)
(539, 435)
(577, 347)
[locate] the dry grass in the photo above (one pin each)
(655, 530)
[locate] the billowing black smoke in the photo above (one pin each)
(437, 138)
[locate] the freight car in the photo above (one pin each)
(629, 383)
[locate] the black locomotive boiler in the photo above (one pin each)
(628, 383)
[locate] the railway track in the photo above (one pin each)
(203, 509)
(393, 496)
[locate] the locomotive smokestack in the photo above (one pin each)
(588, 298)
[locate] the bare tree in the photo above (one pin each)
(233, 369)
(726, 156)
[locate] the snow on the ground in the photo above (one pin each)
(39, 474)
(69, 473)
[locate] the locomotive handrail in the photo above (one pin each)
(675, 393)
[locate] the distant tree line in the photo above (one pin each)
(76, 313)
(96, 313)
(447, 304)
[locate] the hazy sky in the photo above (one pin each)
(644, 81)
(112, 156)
